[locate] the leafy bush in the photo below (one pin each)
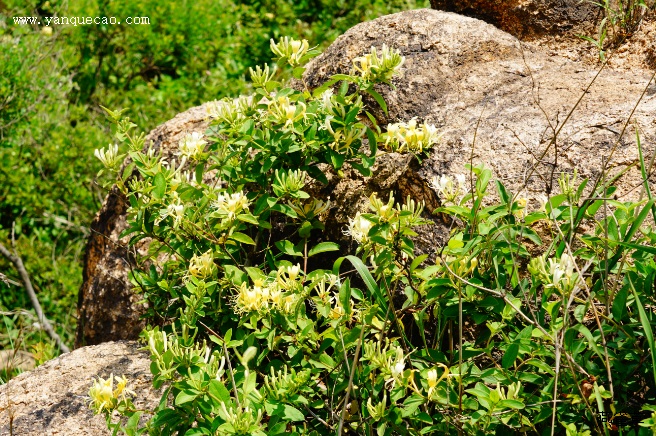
(53, 80)
(520, 323)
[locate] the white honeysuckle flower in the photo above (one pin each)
(431, 378)
(192, 146)
(286, 112)
(450, 191)
(410, 137)
(202, 266)
(110, 158)
(248, 299)
(398, 365)
(231, 204)
(175, 209)
(326, 99)
(359, 228)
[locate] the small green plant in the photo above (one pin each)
(519, 323)
(621, 19)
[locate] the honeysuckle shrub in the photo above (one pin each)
(520, 323)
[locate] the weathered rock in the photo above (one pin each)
(529, 18)
(53, 399)
(473, 81)
(108, 308)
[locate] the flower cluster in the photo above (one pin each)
(290, 49)
(410, 137)
(389, 361)
(241, 420)
(261, 76)
(192, 146)
(286, 112)
(358, 228)
(231, 205)
(110, 158)
(103, 395)
(202, 266)
(450, 191)
(373, 67)
(232, 111)
(175, 210)
(265, 295)
(556, 274)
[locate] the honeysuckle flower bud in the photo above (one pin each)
(110, 158)
(192, 146)
(290, 49)
(261, 77)
(569, 186)
(379, 411)
(383, 210)
(373, 67)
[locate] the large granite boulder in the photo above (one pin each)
(53, 399)
(532, 114)
(529, 18)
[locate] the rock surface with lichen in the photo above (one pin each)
(52, 400)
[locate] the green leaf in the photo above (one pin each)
(159, 183)
(510, 355)
(235, 275)
(646, 326)
(248, 218)
(583, 330)
(619, 304)
(369, 281)
(417, 261)
(185, 397)
(240, 237)
(345, 296)
(275, 408)
(323, 247)
(379, 99)
(510, 404)
(219, 392)
(288, 248)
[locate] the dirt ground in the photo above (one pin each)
(636, 50)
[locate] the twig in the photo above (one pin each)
(18, 264)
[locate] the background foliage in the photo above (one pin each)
(51, 86)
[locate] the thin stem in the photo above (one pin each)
(27, 283)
